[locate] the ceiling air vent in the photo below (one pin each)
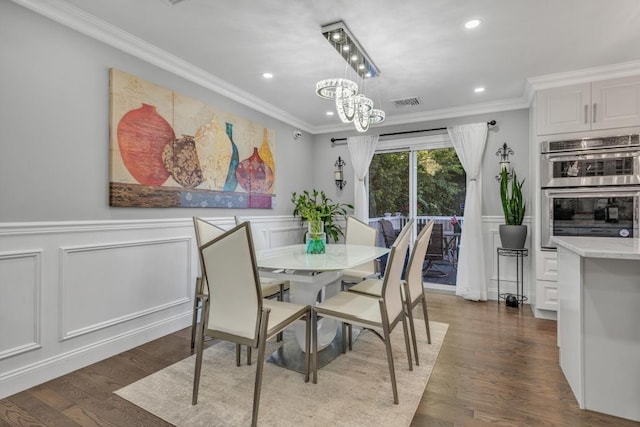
(412, 101)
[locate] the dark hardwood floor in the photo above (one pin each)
(497, 365)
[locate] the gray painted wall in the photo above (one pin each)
(54, 126)
(512, 127)
(54, 130)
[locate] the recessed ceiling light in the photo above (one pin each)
(336, 36)
(354, 57)
(368, 74)
(267, 75)
(478, 89)
(473, 23)
(361, 67)
(329, 113)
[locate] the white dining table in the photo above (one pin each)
(311, 274)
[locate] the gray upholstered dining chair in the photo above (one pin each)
(359, 233)
(412, 287)
(237, 311)
(379, 315)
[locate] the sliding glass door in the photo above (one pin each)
(424, 184)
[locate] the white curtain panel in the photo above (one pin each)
(362, 149)
(469, 142)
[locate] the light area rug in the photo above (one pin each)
(352, 390)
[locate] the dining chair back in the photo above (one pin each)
(413, 289)
(359, 233)
(236, 311)
(205, 232)
(259, 242)
(393, 275)
(416, 260)
(234, 280)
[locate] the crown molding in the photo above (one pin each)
(89, 25)
(445, 113)
(72, 17)
(605, 72)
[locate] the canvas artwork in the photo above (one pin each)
(170, 150)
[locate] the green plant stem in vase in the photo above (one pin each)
(315, 207)
(316, 238)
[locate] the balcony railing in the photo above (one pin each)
(400, 221)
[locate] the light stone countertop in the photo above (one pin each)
(601, 247)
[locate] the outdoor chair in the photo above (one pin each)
(388, 232)
(237, 311)
(379, 315)
(435, 253)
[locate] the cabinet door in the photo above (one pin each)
(615, 103)
(564, 109)
(547, 265)
(546, 295)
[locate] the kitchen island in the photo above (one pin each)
(599, 322)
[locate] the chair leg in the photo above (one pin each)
(412, 327)
(237, 354)
(426, 318)
(406, 341)
(350, 337)
(344, 338)
(248, 355)
(307, 345)
(280, 335)
(194, 321)
(392, 371)
(196, 302)
(314, 349)
(198, 369)
(264, 321)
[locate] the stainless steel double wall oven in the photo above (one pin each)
(590, 187)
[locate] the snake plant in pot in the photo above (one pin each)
(512, 233)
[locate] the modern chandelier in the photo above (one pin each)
(350, 105)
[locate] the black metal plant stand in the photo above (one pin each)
(519, 254)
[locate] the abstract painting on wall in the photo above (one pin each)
(169, 150)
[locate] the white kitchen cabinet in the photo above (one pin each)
(546, 280)
(603, 104)
(598, 332)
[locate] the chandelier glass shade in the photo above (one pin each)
(328, 88)
(345, 106)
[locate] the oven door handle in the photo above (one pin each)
(592, 155)
(603, 192)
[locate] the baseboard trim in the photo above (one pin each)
(44, 370)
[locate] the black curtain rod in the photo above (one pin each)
(407, 132)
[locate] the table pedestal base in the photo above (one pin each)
(290, 356)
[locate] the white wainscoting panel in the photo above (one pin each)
(106, 284)
(20, 294)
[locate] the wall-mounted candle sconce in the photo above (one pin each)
(505, 165)
(338, 173)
